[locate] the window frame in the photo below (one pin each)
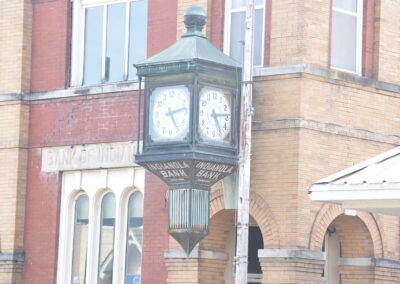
(228, 23)
(78, 40)
(96, 191)
(359, 36)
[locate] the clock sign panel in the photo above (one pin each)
(169, 113)
(215, 107)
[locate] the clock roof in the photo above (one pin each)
(193, 46)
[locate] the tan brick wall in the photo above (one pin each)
(287, 270)
(13, 154)
(15, 50)
(11, 272)
(387, 41)
(300, 32)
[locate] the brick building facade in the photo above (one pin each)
(316, 112)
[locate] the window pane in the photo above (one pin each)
(93, 45)
(258, 36)
(350, 5)
(115, 42)
(137, 35)
(134, 239)
(80, 242)
(344, 38)
(238, 4)
(107, 223)
(237, 36)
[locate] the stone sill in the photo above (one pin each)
(259, 73)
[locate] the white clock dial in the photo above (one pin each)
(169, 113)
(214, 114)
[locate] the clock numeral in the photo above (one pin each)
(225, 108)
(225, 126)
(159, 103)
(215, 96)
(203, 103)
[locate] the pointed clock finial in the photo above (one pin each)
(195, 18)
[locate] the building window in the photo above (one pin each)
(80, 240)
(346, 38)
(235, 27)
(101, 227)
(108, 38)
(134, 238)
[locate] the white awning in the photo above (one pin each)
(373, 185)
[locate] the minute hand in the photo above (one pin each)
(214, 116)
(171, 112)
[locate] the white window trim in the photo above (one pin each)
(359, 15)
(95, 184)
(227, 28)
(78, 38)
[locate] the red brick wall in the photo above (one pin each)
(41, 223)
(217, 23)
(50, 41)
(162, 26)
(155, 234)
(83, 120)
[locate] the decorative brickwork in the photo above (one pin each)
(333, 214)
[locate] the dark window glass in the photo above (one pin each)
(255, 243)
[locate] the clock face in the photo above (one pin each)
(215, 106)
(169, 113)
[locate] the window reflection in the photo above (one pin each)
(134, 239)
(137, 35)
(80, 242)
(93, 45)
(115, 42)
(106, 248)
(237, 31)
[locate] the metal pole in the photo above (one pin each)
(245, 151)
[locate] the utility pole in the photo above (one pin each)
(245, 151)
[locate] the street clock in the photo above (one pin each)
(191, 125)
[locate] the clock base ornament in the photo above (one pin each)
(188, 215)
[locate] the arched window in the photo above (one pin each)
(106, 247)
(80, 241)
(101, 232)
(133, 260)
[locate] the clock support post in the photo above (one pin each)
(245, 151)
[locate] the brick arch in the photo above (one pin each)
(328, 213)
(259, 210)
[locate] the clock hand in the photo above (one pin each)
(214, 116)
(170, 113)
(220, 114)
